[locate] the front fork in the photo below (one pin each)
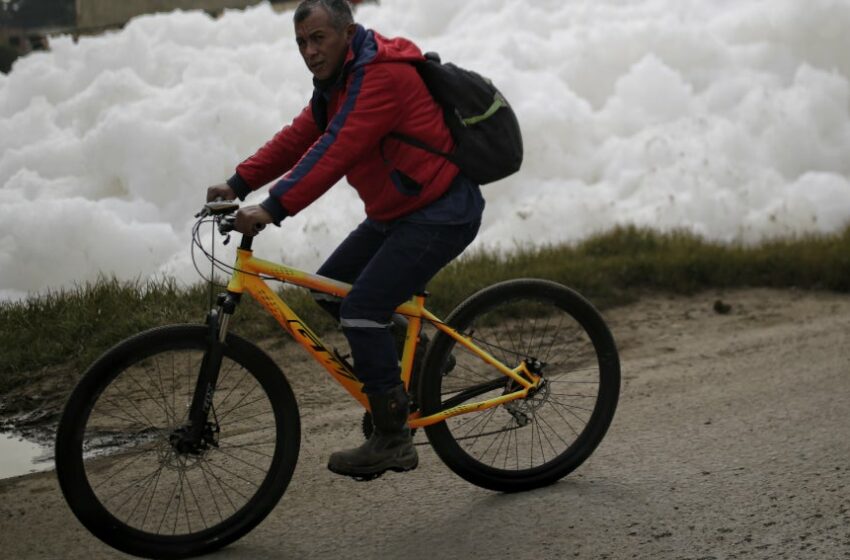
(190, 437)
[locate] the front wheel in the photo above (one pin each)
(119, 463)
(535, 441)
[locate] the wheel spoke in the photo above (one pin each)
(135, 456)
(220, 481)
(206, 468)
(243, 461)
(235, 385)
(239, 404)
(197, 504)
(212, 493)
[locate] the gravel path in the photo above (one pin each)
(730, 441)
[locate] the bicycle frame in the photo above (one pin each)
(249, 276)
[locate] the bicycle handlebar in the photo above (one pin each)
(218, 207)
(225, 209)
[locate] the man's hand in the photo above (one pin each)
(251, 219)
(220, 191)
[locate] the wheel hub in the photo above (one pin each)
(182, 451)
(521, 409)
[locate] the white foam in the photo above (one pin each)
(726, 118)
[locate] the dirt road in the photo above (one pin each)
(732, 440)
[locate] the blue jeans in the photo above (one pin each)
(386, 264)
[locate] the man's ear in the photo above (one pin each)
(349, 32)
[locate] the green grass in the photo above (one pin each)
(613, 268)
(70, 328)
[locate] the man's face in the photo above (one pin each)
(322, 46)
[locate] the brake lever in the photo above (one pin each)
(218, 207)
(225, 226)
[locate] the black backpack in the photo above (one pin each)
(488, 142)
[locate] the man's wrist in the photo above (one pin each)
(239, 186)
(275, 210)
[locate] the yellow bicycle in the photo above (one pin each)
(181, 439)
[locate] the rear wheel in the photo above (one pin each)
(125, 476)
(535, 441)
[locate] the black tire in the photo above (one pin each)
(563, 423)
(126, 483)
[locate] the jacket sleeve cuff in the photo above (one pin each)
(275, 208)
(239, 186)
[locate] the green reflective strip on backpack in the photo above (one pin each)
(498, 103)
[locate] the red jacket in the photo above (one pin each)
(379, 92)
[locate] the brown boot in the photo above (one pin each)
(389, 448)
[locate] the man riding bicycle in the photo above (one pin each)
(421, 212)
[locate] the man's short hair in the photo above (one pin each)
(339, 10)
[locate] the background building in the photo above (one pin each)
(25, 25)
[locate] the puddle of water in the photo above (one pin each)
(19, 456)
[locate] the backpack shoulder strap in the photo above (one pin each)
(429, 57)
(418, 143)
(319, 108)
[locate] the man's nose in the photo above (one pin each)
(310, 50)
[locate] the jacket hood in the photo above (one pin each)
(369, 47)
